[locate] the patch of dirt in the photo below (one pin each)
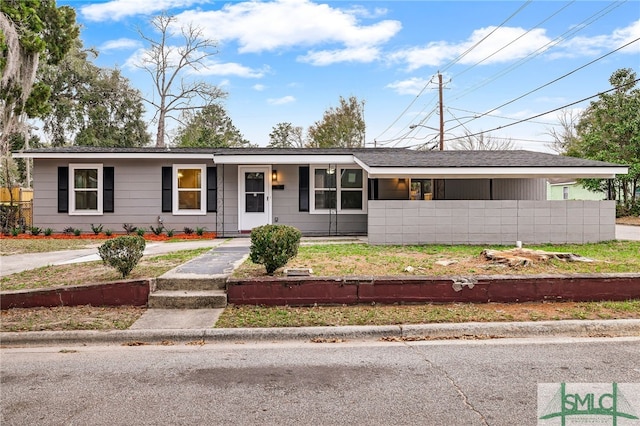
(628, 220)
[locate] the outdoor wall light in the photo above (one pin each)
(274, 175)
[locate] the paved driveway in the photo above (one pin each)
(627, 232)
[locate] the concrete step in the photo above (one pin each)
(188, 299)
(191, 283)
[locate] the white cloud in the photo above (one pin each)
(259, 87)
(116, 10)
(120, 44)
(590, 46)
(327, 57)
(494, 49)
(228, 68)
(412, 86)
(281, 24)
(208, 67)
(281, 101)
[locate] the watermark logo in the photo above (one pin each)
(616, 404)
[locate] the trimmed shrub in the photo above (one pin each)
(156, 230)
(274, 245)
(35, 230)
(96, 229)
(122, 253)
(48, 232)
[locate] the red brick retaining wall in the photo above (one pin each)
(300, 291)
(127, 292)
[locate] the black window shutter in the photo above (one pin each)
(167, 191)
(212, 189)
(108, 187)
(63, 189)
(303, 188)
(373, 189)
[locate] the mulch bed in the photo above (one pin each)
(102, 236)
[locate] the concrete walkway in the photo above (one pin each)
(216, 263)
(628, 232)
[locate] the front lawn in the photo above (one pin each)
(367, 260)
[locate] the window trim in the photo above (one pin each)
(339, 169)
(72, 189)
(203, 190)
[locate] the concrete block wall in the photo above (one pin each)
(490, 222)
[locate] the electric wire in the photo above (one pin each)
(516, 39)
(552, 81)
(524, 120)
(450, 64)
(466, 52)
(564, 36)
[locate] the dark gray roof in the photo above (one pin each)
(372, 157)
(458, 159)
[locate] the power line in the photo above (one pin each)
(451, 63)
(544, 113)
(575, 29)
(466, 52)
(553, 81)
(517, 38)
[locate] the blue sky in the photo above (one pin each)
(290, 60)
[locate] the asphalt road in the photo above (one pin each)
(482, 382)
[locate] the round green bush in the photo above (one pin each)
(122, 253)
(274, 245)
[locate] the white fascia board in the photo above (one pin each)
(112, 155)
(496, 172)
(284, 159)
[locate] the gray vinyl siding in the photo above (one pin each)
(285, 209)
(503, 189)
(520, 189)
(228, 200)
(472, 189)
(137, 199)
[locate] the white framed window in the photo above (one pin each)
(189, 196)
(85, 189)
(565, 192)
(340, 189)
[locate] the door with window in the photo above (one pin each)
(254, 197)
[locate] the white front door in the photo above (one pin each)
(254, 196)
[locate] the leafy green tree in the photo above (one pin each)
(609, 130)
(342, 126)
(286, 135)
(92, 106)
(32, 32)
(210, 127)
(169, 68)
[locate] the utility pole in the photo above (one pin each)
(441, 112)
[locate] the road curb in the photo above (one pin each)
(572, 328)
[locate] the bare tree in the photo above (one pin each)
(169, 66)
(566, 135)
(482, 142)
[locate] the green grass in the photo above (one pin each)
(9, 246)
(363, 259)
(95, 272)
(285, 316)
